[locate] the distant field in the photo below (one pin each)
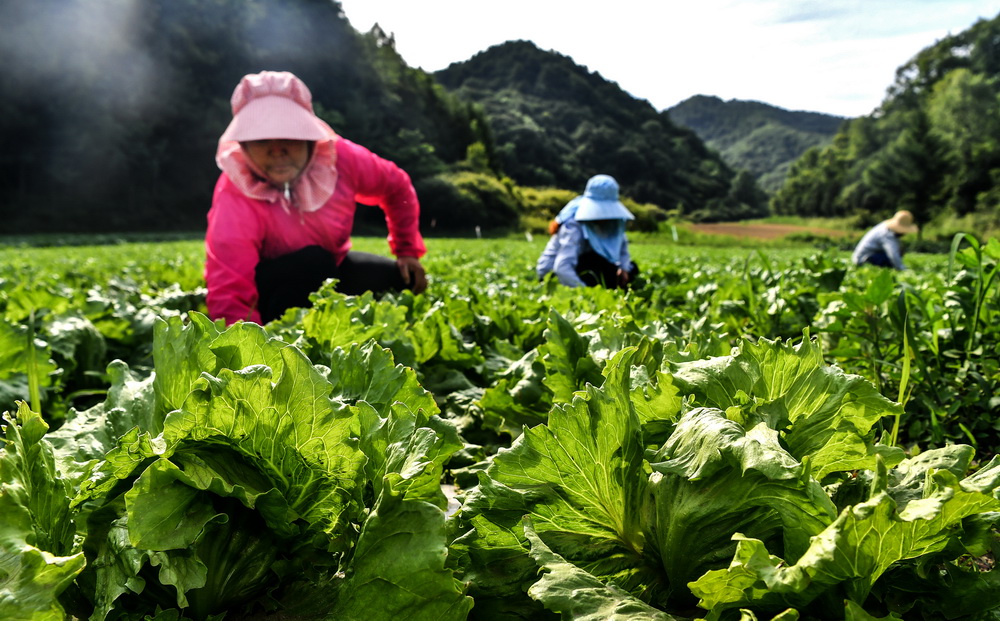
(759, 230)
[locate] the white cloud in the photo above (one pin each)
(833, 56)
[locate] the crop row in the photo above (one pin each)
(781, 436)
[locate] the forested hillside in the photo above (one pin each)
(115, 109)
(556, 123)
(115, 113)
(755, 136)
(932, 147)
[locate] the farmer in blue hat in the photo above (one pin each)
(588, 247)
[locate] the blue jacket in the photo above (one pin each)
(563, 250)
(879, 239)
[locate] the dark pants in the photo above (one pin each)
(593, 269)
(879, 258)
(287, 281)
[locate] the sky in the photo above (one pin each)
(831, 56)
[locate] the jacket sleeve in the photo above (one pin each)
(232, 251)
(382, 183)
(890, 244)
(626, 256)
(564, 267)
(546, 260)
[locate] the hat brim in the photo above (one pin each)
(902, 229)
(591, 209)
(274, 118)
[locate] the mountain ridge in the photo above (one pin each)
(556, 123)
(761, 138)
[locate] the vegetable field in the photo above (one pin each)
(744, 435)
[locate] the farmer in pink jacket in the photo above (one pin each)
(283, 208)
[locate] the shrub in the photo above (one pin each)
(456, 203)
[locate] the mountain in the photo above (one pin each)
(556, 124)
(117, 113)
(116, 116)
(753, 136)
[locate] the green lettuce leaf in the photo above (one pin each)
(38, 557)
(436, 336)
(580, 478)
(519, 397)
(290, 430)
(337, 320)
(367, 372)
(567, 359)
(275, 484)
(656, 399)
(398, 568)
(853, 552)
(712, 479)
(566, 589)
(407, 450)
(19, 356)
(182, 352)
(823, 413)
(209, 546)
(88, 436)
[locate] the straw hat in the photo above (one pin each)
(273, 105)
(902, 223)
(600, 201)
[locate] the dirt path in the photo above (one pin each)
(761, 231)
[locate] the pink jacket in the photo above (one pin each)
(242, 230)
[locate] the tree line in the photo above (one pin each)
(932, 147)
(113, 110)
(753, 136)
(116, 107)
(556, 123)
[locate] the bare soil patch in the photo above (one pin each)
(761, 231)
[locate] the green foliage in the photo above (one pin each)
(962, 112)
(103, 138)
(38, 559)
(458, 203)
(698, 298)
(709, 441)
(557, 124)
(727, 513)
(239, 481)
(932, 147)
(935, 327)
(132, 150)
(543, 204)
(755, 137)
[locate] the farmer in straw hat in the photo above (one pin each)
(283, 208)
(880, 245)
(588, 245)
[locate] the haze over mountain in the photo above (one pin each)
(117, 118)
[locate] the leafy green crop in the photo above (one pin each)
(769, 495)
(241, 482)
(713, 443)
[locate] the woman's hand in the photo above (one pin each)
(413, 273)
(623, 278)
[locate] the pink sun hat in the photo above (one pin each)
(273, 105)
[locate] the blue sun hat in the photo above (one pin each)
(600, 201)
